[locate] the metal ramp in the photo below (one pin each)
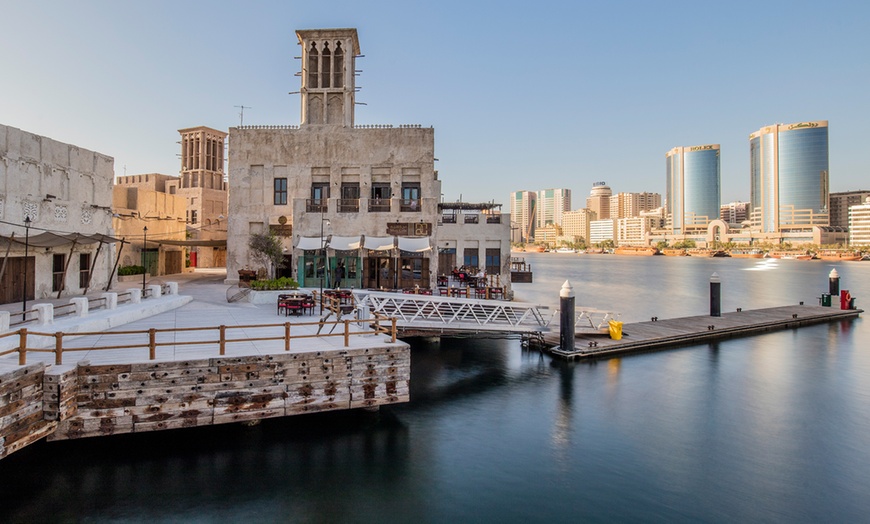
(441, 314)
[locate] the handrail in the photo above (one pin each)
(374, 326)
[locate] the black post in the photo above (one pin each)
(715, 296)
(144, 256)
(834, 283)
(26, 253)
(566, 317)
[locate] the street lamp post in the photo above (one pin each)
(26, 253)
(322, 252)
(144, 247)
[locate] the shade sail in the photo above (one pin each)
(379, 243)
(201, 243)
(344, 243)
(414, 244)
(47, 239)
(310, 243)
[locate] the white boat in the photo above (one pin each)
(565, 250)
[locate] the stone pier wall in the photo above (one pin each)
(67, 402)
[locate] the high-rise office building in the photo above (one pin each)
(627, 205)
(789, 177)
(523, 214)
(839, 204)
(551, 204)
(734, 212)
(575, 224)
(599, 200)
(859, 224)
(693, 187)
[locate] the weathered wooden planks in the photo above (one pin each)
(163, 395)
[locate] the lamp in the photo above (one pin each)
(144, 246)
(26, 252)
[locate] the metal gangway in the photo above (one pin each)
(454, 314)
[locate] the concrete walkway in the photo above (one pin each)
(207, 306)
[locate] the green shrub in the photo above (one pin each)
(130, 270)
(278, 283)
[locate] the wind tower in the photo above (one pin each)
(328, 72)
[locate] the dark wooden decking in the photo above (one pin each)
(668, 333)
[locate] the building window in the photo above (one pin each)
(312, 65)
(58, 262)
(471, 258)
(84, 269)
(410, 197)
(280, 192)
(193, 216)
(349, 198)
(493, 261)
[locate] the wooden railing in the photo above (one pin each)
(374, 325)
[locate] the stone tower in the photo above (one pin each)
(328, 87)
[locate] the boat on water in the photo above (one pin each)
(790, 255)
(838, 255)
(565, 250)
(644, 251)
(674, 252)
(746, 253)
(705, 252)
(595, 251)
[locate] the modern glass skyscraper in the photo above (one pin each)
(789, 176)
(551, 204)
(693, 187)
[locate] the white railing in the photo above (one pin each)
(445, 313)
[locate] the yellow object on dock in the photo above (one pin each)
(615, 329)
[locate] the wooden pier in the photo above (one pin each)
(669, 333)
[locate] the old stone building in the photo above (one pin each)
(361, 197)
(55, 217)
(203, 187)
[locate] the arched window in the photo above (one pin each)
(312, 65)
(326, 63)
(338, 66)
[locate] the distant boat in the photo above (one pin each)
(595, 251)
(746, 253)
(565, 250)
(674, 252)
(705, 252)
(790, 255)
(839, 255)
(644, 251)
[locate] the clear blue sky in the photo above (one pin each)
(522, 95)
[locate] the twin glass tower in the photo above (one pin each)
(788, 180)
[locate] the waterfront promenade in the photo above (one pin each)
(270, 366)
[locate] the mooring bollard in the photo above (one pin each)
(566, 317)
(715, 295)
(834, 283)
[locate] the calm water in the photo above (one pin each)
(774, 428)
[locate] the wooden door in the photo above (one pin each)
(12, 285)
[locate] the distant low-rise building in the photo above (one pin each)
(839, 204)
(626, 205)
(601, 230)
(575, 224)
(734, 213)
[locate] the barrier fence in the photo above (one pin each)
(371, 326)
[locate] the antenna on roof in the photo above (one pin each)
(242, 114)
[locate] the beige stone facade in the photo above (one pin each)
(204, 189)
(140, 201)
(61, 188)
(475, 236)
(575, 224)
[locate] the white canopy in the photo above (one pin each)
(309, 243)
(379, 243)
(414, 244)
(344, 243)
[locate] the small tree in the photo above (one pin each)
(266, 249)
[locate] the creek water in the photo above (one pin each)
(769, 428)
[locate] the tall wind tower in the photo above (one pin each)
(328, 73)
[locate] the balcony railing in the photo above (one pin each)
(379, 205)
(411, 205)
(448, 219)
(316, 205)
(471, 219)
(493, 219)
(348, 205)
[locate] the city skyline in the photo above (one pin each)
(123, 78)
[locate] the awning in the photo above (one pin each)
(309, 243)
(379, 243)
(191, 243)
(414, 244)
(47, 239)
(344, 243)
